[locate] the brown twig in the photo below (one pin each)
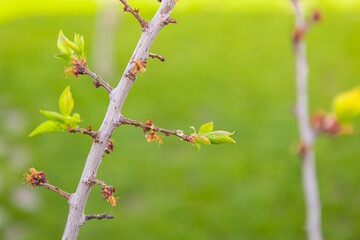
(56, 189)
(144, 24)
(99, 216)
(170, 20)
(153, 55)
(147, 127)
(98, 81)
(93, 180)
(94, 135)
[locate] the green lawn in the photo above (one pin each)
(234, 68)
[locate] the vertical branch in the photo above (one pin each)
(309, 178)
(78, 200)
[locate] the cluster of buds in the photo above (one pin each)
(72, 51)
(152, 136)
(78, 68)
(110, 147)
(34, 177)
(323, 123)
(299, 33)
(108, 192)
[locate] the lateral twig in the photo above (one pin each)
(99, 216)
(98, 81)
(147, 127)
(135, 13)
(153, 55)
(94, 135)
(93, 180)
(56, 189)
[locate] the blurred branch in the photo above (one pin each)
(310, 184)
(153, 55)
(99, 216)
(147, 127)
(98, 81)
(117, 95)
(136, 14)
(107, 21)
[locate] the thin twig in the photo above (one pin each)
(99, 216)
(93, 180)
(98, 81)
(94, 135)
(153, 55)
(56, 189)
(310, 184)
(147, 127)
(136, 14)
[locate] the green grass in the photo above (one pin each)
(235, 69)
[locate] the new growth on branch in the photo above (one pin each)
(74, 53)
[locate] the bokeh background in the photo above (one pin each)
(230, 62)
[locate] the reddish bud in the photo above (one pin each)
(316, 16)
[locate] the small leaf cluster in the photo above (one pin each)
(70, 50)
(207, 136)
(59, 121)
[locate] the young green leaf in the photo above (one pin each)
(54, 116)
(73, 121)
(206, 128)
(61, 44)
(63, 57)
(220, 137)
(204, 140)
(66, 102)
(47, 127)
(347, 105)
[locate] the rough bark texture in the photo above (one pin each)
(78, 200)
(309, 178)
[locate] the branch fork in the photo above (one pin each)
(135, 12)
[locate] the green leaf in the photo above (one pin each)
(62, 56)
(66, 102)
(47, 127)
(54, 116)
(79, 41)
(204, 140)
(73, 46)
(73, 121)
(197, 145)
(206, 128)
(220, 137)
(61, 44)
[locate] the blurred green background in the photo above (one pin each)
(229, 62)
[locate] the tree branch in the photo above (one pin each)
(118, 95)
(153, 55)
(98, 81)
(147, 127)
(94, 135)
(310, 184)
(56, 189)
(99, 216)
(144, 24)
